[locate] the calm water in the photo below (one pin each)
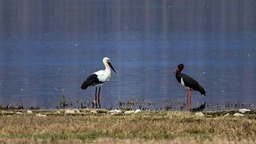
(48, 47)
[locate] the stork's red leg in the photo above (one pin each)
(187, 93)
(190, 99)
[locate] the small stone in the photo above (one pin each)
(40, 115)
(227, 114)
(19, 113)
(94, 112)
(29, 112)
(71, 111)
(238, 114)
(129, 112)
(244, 110)
(137, 111)
(199, 114)
(118, 111)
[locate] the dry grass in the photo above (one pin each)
(146, 127)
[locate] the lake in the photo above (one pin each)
(49, 47)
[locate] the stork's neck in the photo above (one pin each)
(107, 69)
(178, 75)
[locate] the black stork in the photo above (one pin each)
(97, 79)
(189, 83)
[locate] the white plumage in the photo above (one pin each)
(102, 75)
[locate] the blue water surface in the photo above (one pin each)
(49, 47)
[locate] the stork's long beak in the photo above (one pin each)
(111, 66)
(174, 72)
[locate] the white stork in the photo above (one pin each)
(97, 79)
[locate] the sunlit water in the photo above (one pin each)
(48, 48)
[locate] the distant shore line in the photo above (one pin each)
(133, 106)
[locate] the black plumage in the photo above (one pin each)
(91, 80)
(188, 81)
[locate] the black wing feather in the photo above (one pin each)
(193, 84)
(90, 81)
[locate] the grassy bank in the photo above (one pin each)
(144, 127)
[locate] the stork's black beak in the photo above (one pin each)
(111, 66)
